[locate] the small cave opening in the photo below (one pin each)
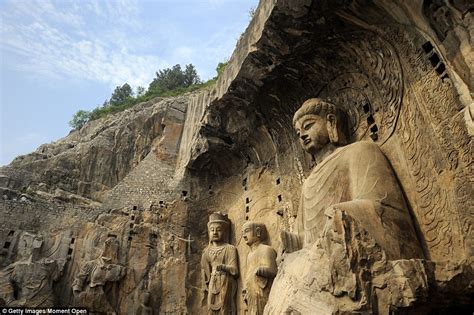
(427, 47)
(370, 120)
(366, 107)
(440, 68)
(434, 59)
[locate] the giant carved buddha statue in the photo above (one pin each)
(354, 178)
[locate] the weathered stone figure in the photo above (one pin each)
(352, 223)
(261, 268)
(353, 178)
(88, 285)
(29, 281)
(219, 263)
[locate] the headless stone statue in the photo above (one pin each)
(261, 268)
(219, 263)
(29, 281)
(88, 285)
(354, 178)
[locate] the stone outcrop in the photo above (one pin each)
(152, 175)
(90, 161)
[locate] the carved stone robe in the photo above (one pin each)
(90, 282)
(33, 282)
(221, 286)
(358, 179)
(257, 288)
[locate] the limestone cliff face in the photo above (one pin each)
(90, 161)
(150, 176)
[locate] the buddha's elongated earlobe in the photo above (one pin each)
(331, 125)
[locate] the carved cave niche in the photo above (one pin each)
(382, 77)
(399, 96)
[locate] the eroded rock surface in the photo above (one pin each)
(152, 175)
(90, 161)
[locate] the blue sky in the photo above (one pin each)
(60, 56)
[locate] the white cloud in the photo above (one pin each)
(52, 40)
(104, 41)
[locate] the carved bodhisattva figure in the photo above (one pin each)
(261, 268)
(29, 281)
(220, 268)
(355, 179)
(88, 285)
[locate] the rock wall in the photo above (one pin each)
(92, 160)
(149, 177)
(388, 63)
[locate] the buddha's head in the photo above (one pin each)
(253, 233)
(319, 123)
(218, 227)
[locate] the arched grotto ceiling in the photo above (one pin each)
(332, 49)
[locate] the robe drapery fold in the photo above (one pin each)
(221, 286)
(359, 180)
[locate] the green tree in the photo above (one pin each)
(168, 82)
(121, 94)
(252, 12)
(220, 68)
(173, 78)
(79, 119)
(190, 76)
(140, 91)
(167, 79)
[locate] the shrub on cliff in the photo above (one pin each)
(173, 78)
(79, 119)
(121, 94)
(168, 82)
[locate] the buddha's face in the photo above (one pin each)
(250, 235)
(312, 132)
(216, 232)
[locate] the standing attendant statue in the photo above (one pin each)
(219, 263)
(261, 268)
